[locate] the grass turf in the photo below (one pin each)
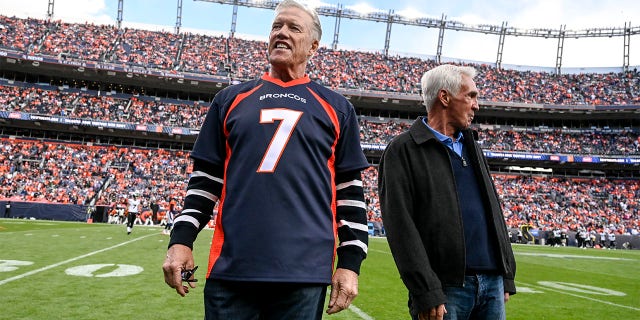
(70, 270)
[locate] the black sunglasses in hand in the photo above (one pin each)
(187, 274)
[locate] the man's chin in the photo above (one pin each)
(278, 60)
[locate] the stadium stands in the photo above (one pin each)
(333, 68)
(88, 172)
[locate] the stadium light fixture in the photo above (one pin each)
(411, 14)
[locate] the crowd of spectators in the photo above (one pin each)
(570, 203)
(61, 173)
(530, 140)
(76, 41)
(91, 105)
(349, 69)
(189, 114)
(84, 174)
(32, 170)
(625, 142)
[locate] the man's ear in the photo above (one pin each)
(314, 48)
(444, 98)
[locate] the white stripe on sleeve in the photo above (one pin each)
(357, 243)
(187, 218)
(206, 175)
(353, 225)
(202, 193)
(357, 183)
(352, 203)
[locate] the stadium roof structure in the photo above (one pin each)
(339, 12)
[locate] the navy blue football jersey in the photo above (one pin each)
(281, 145)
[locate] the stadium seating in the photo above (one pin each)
(246, 59)
(83, 173)
(32, 170)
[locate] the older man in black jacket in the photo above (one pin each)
(440, 209)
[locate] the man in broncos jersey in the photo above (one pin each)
(282, 156)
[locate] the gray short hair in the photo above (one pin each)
(447, 77)
(316, 31)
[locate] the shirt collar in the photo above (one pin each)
(445, 139)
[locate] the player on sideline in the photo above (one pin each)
(170, 216)
(282, 155)
(133, 207)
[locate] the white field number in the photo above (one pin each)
(103, 270)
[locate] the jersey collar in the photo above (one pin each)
(291, 83)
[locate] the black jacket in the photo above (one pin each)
(422, 218)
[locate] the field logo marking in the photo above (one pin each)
(528, 290)
(562, 289)
(51, 266)
(582, 288)
(10, 265)
(88, 270)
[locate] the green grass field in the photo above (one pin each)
(66, 270)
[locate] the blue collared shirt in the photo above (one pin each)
(446, 140)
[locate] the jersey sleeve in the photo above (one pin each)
(210, 144)
(203, 191)
(351, 218)
(349, 154)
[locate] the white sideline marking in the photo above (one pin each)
(32, 272)
(360, 313)
(575, 256)
(381, 251)
(580, 296)
(356, 310)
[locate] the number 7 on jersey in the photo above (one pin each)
(289, 118)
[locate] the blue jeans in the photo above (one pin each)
(239, 300)
(481, 297)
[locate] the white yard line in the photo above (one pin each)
(32, 272)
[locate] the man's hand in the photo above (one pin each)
(344, 288)
(435, 313)
(179, 258)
